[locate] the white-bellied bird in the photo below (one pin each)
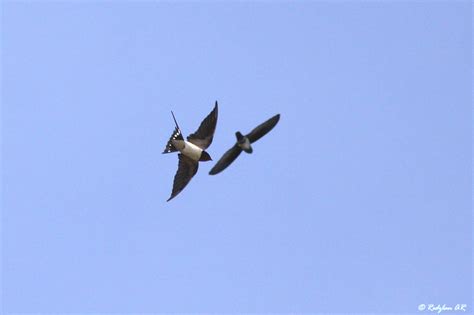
(192, 150)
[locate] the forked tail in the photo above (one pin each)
(176, 135)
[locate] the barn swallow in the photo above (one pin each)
(244, 144)
(192, 150)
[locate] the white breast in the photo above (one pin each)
(191, 150)
(246, 144)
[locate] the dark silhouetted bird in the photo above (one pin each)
(244, 143)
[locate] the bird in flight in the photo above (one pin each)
(192, 150)
(244, 143)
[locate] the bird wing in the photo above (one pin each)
(263, 129)
(187, 168)
(203, 136)
(226, 159)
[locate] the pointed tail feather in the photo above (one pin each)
(175, 120)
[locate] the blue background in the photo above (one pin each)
(358, 201)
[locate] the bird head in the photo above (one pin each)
(239, 136)
(205, 156)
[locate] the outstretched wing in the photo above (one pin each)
(187, 168)
(226, 159)
(203, 136)
(263, 129)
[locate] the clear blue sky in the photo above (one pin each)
(358, 201)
